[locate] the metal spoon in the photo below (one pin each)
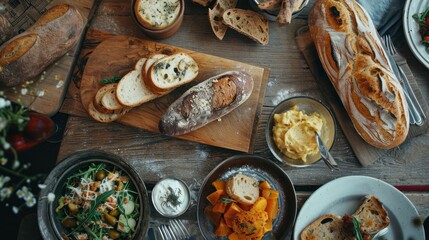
(326, 155)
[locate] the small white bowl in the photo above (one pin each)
(165, 188)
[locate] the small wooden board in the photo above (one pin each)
(46, 92)
(365, 153)
(117, 55)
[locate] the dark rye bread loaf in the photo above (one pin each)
(353, 57)
(206, 102)
(26, 55)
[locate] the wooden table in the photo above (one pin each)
(155, 156)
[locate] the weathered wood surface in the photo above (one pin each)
(156, 156)
(46, 92)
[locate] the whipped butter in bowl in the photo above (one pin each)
(171, 197)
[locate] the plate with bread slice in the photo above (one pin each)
(342, 206)
(246, 197)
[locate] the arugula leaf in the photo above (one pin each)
(114, 79)
(356, 229)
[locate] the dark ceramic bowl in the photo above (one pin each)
(263, 170)
(164, 32)
(50, 227)
(308, 105)
(271, 15)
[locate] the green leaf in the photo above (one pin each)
(227, 200)
(114, 79)
(356, 229)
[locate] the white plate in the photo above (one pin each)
(344, 195)
(411, 29)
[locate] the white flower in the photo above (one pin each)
(5, 193)
(3, 180)
(30, 202)
(3, 161)
(16, 164)
(51, 197)
(6, 145)
(15, 209)
(2, 103)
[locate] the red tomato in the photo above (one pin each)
(17, 141)
(427, 38)
(427, 21)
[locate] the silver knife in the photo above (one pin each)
(326, 155)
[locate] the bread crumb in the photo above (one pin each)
(24, 91)
(60, 84)
(219, 119)
(40, 93)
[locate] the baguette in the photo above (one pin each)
(98, 98)
(131, 90)
(243, 189)
(248, 23)
(353, 57)
(171, 72)
(206, 102)
(26, 55)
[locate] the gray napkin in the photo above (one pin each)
(386, 14)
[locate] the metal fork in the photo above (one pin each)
(176, 230)
(416, 112)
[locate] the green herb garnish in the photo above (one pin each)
(227, 200)
(171, 198)
(423, 20)
(111, 80)
(356, 229)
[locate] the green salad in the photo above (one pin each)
(423, 21)
(98, 202)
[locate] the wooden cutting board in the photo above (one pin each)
(46, 92)
(365, 153)
(117, 55)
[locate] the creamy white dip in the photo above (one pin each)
(170, 197)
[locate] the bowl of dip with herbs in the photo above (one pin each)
(171, 197)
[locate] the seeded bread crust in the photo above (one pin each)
(26, 55)
(248, 23)
(216, 16)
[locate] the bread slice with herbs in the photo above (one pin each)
(145, 69)
(216, 16)
(171, 72)
(248, 23)
(372, 215)
(243, 189)
(131, 90)
(327, 227)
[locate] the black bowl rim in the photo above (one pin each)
(289, 182)
(70, 164)
(268, 136)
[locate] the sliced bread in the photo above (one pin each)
(326, 227)
(203, 3)
(372, 215)
(131, 90)
(109, 100)
(269, 4)
(216, 15)
(249, 23)
(171, 72)
(104, 117)
(243, 189)
(145, 69)
(98, 99)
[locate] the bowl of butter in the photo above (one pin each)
(291, 127)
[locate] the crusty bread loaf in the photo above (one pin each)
(156, 14)
(243, 189)
(99, 106)
(372, 215)
(131, 90)
(249, 23)
(326, 227)
(171, 72)
(206, 102)
(216, 16)
(352, 55)
(26, 55)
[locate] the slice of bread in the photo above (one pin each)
(109, 100)
(103, 117)
(98, 99)
(131, 90)
(203, 3)
(171, 72)
(243, 189)
(269, 4)
(372, 215)
(249, 23)
(326, 227)
(145, 69)
(216, 15)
